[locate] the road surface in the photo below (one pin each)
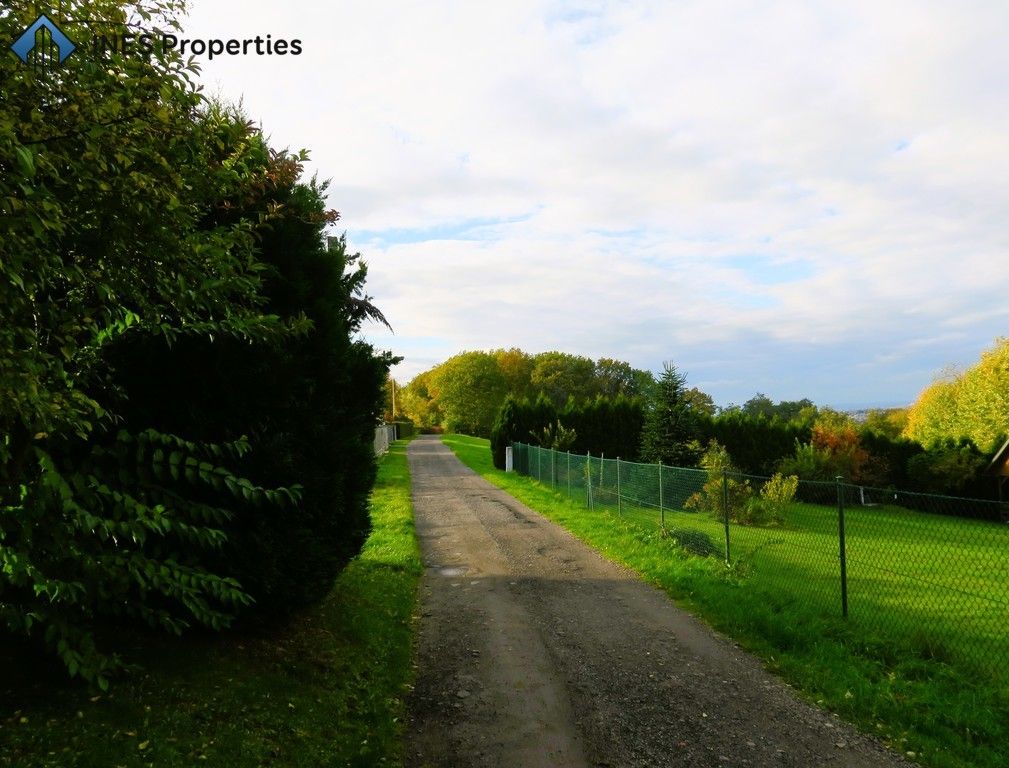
(536, 651)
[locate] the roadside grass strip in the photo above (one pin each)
(327, 689)
(925, 697)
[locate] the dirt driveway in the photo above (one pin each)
(535, 651)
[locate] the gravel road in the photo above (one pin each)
(536, 651)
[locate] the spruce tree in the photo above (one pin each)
(670, 423)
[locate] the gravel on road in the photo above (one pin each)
(534, 650)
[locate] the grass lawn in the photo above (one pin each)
(325, 690)
(915, 662)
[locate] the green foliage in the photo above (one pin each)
(775, 496)
(809, 463)
(756, 443)
(701, 402)
(469, 389)
(418, 403)
(886, 422)
(602, 427)
(606, 426)
(252, 699)
(107, 234)
(761, 406)
(148, 240)
(310, 405)
(122, 529)
(461, 392)
(560, 375)
(971, 404)
(695, 542)
(723, 492)
(947, 467)
(555, 436)
(615, 378)
(119, 170)
(671, 425)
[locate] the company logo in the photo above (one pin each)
(44, 37)
(44, 43)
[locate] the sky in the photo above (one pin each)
(804, 199)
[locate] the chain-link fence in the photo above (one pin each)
(385, 435)
(928, 572)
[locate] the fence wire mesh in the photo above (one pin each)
(926, 574)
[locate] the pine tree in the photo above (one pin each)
(670, 423)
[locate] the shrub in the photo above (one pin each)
(556, 437)
(947, 467)
(695, 542)
(809, 463)
(721, 488)
(309, 405)
(775, 496)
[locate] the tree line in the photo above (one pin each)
(186, 411)
(676, 426)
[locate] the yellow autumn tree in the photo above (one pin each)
(972, 404)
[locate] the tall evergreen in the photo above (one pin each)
(670, 423)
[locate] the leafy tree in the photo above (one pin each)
(835, 449)
(759, 405)
(418, 403)
(888, 422)
(947, 467)
(700, 402)
(106, 234)
(560, 375)
(517, 368)
(796, 410)
(615, 377)
(972, 404)
(787, 410)
(469, 389)
(671, 425)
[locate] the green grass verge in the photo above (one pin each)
(327, 689)
(887, 678)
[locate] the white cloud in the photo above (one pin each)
(782, 197)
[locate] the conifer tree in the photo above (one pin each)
(670, 423)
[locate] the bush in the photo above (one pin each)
(756, 443)
(309, 405)
(603, 427)
(775, 496)
(555, 437)
(947, 467)
(721, 490)
(695, 542)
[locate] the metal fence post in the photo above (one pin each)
(725, 513)
(539, 464)
(567, 473)
(842, 548)
(588, 480)
(662, 511)
(602, 471)
(620, 509)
